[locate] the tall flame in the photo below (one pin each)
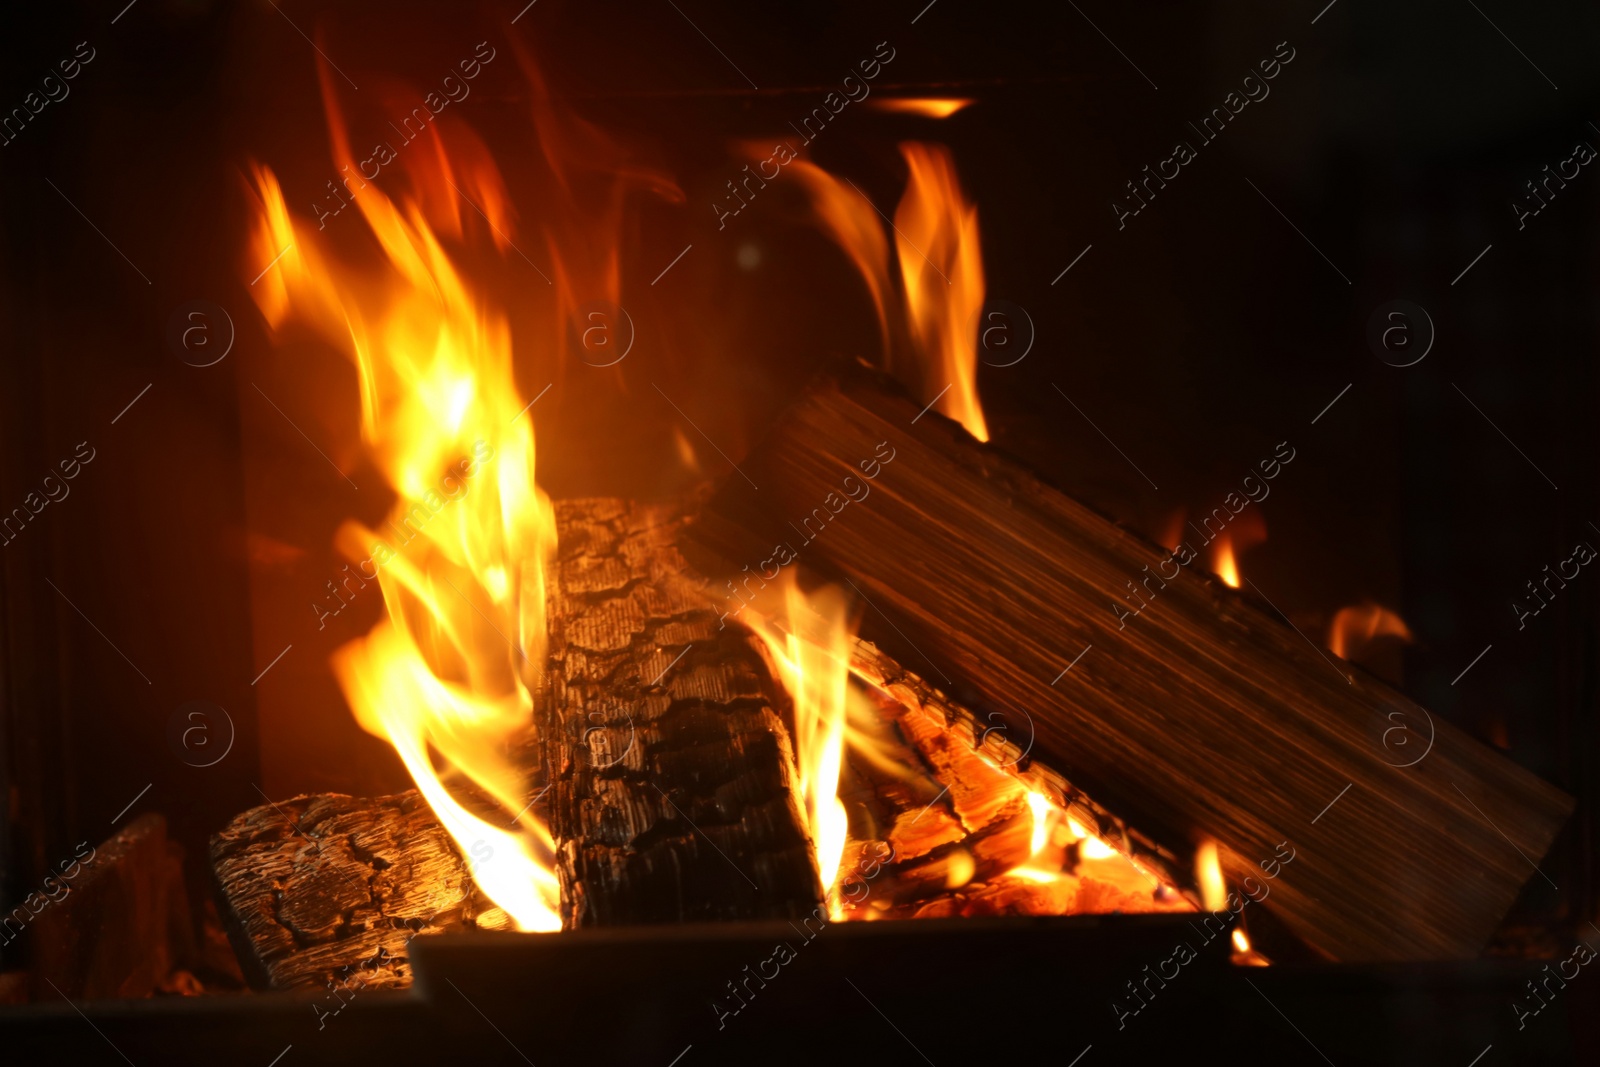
(462, 562)
(809, 643)
(941, 264)
(941, 272)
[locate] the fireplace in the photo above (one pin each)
(569, 530)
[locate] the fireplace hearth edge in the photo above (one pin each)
(970, 990)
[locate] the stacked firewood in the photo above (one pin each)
(660, 757)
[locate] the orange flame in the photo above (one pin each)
(1090, 847)
(941, 271)
(1224, 563)
(850, 220)
(440, 677)
(809, 644)
(933, 107)
(1247, 530)
(1208, 873)
(1355, 627)
(941, 265)
(1043, 811)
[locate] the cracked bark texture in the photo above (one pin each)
(659, 760)
(331, 888)
(662, 737)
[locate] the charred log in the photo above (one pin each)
(668, 764)
(322, 889)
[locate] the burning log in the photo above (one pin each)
(669, 785)
(1204, 716)
(669, 768)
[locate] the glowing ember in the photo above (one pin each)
(440, 678)
(933, 107)
(1356, 626)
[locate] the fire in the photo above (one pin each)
(1090, 847)
(1224, 563)
(941, 266)
(1356, 626)
(852, 222)
(933, 107)
(809, 644)
(441, 677)
(1245, 954)
(1042, 812)
(1208, 873)
(1046, 817)
(1246, 531)
(941, 272)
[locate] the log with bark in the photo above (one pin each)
(658, 759)
(316, 889)
(1201, 716)
(662, 738)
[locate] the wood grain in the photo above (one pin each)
(1203, 716)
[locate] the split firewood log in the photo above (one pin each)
(1187, 707)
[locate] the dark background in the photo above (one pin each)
(1220, 321)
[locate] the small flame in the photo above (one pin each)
(1247, 530)
(941, 266)
(809, 644)
(1356, 626)
(1090, 847)
(463, 582)
(1224, 563)
(1243, 954)
(933, 107)
(1042, 812)
(1208, 873)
